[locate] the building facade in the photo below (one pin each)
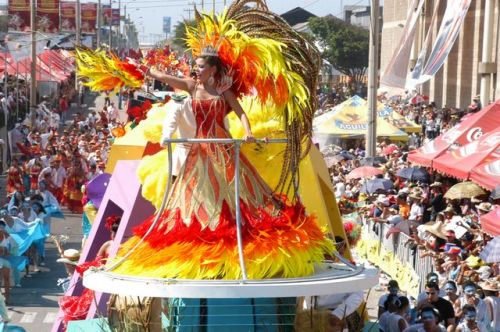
(459, 79)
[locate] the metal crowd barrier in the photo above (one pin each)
(397, 244)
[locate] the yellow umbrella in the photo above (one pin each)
(465, 189)
(351, 120)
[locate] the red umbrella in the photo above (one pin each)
(363, 172)
(390, 149)
(419, 99)
(490, 223)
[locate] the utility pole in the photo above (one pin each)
(371, 137)
(213, 6)
(202, 5)
(110, 25)
(99, 23)
(189, 10)
(33, 63)
(77, 43)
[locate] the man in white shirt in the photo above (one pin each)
(112, 112)
(58, 177)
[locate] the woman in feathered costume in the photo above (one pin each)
(195, 236)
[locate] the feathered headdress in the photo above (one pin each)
(101, 71)
(268, 58)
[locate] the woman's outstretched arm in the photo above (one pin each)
(186, 84)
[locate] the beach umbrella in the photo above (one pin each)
(372, 186)
(390, 149)
(419, 99)
(373, 161)
(495, 194)
(491, 252)
(413, 174)
(363, 172)
(465, 189)
(347, 155)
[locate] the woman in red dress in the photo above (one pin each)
(73, 184)
(197, 226)
(34, 172)
(15, 178)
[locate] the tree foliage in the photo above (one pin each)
(343, 45)
(179, 37)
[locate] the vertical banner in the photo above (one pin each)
(448, 32)
(68, 16)
(88, 12)
(115, 16)
(397, 69)
(19, 15)
(106, 14)
(47, 16)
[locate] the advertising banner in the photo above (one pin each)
(115, 16)
(106, 14)
(448, 32)
(19, 15)
(88, 13)
(68, 16)
(47, 16)
(397, 69)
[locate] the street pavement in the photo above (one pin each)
(34, 305)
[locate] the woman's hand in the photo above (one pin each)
(249, 138)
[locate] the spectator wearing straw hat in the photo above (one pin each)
(491, 289)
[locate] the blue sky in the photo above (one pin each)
(151, 12)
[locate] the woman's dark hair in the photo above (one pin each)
(403, 302)
(213, 61)
(392, 300)
(430, 308)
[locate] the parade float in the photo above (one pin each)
(231, 237)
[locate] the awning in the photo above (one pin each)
(470, 129)
(487, 175)
(490, 222)
(461, 161)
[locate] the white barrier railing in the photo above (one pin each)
(399, 246)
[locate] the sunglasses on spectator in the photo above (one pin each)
(430, 293)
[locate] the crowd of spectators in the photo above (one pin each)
(462, 292)
(52, 157)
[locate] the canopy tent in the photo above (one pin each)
(397, 120)
(470, 129)
(487, 175)
(490, 222)
(350, 120)
(383, 111)
(461, 161)
(51, 66)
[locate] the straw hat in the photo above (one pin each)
(70, 256)
(490, 284)
(416, 195)
(484, 207)
(475, 200)
(436, 228)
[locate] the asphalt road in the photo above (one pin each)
(34, 305)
